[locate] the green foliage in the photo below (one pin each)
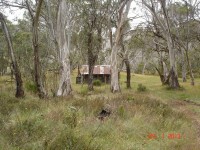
(31, 87)
(84, 91)
(68, 139)
(121, 111)
(97, 82)
(172, 89)
(130, 98)
(58, 123)
(150, 69)
(71, 117)
(3, 64)
(36, 124)
(7, 104)
(136, 42)
(141, 88)
(139, 68)
(20, 132)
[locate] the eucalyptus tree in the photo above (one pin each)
(50, 13)
(181, 15)
(157, 42)
(17, 73)
(125, 51)
(35, 15)
(178, 21)
(22, 38)
(34, 9)
(123, 10)
(60, 20)
(126, 61)
(63, 22)
(164, 23)
(93, 20)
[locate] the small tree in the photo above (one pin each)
(17, 73)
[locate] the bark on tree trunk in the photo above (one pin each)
(128, 74)
(93, 56)
(162, 79)
(115, 87)
(52, 29)
(37, 72)
(110, 36)
(165, 26)
(18, 79)
(65, 80)
(114, 70)
(189, 67)
(183, 66)
(90, 78)
(165, 73)
(79, 72)
(64, 46)
(91, 62)
(188, 60)
(143, 69)
(161, 72)
(173, 78)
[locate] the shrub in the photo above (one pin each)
(141, 88)
(139, 68)
(71, 117)
(31, 87)
(97, 82)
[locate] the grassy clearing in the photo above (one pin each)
(71, 123)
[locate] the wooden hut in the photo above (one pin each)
(100, 72)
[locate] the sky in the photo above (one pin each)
(136, 10)
(14, 14)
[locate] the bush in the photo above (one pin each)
(97, 82)
(31, 87)
(141, 88)
(139, 68)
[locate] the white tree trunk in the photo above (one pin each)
(115, 87)
(165, 71)
(114, 70)
(144, 67)
(183, 66)
(65, 79)
(166, 27)
(189, 66)
(173, 80)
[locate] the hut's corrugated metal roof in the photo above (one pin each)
(98, 69)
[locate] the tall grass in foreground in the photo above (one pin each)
(60, 123)
(73, 124)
